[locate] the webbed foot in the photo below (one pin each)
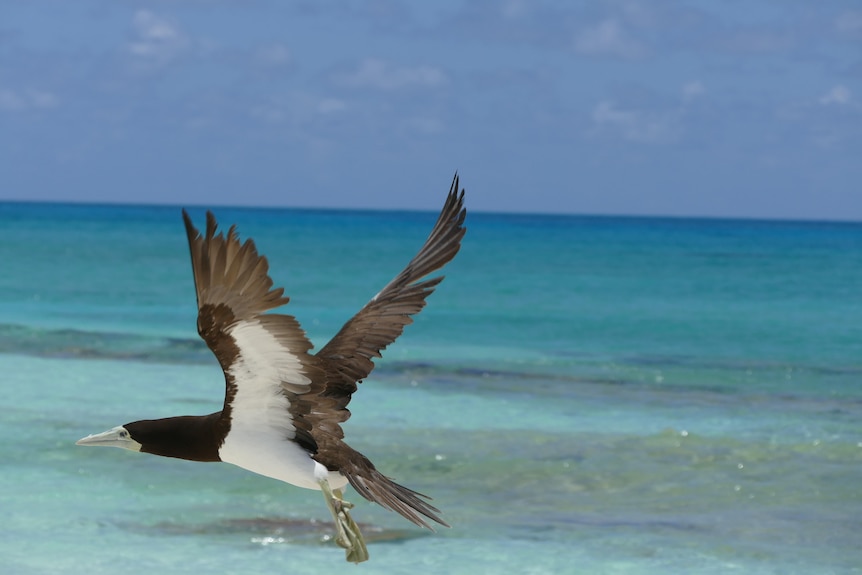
(348, 536)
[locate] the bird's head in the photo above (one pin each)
(193, 437)
(119, 436)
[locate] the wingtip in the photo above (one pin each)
(455, 202)
(212, 224)
(456, 193)
(191, 230)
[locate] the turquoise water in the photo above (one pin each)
(581, 395)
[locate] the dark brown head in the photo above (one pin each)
(196, 438)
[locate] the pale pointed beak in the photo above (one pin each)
(116, 437)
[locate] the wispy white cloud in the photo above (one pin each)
(331, 105)
(296, 108)
(15, 100)
(828, 122)
(274, 55)
(849, 22)
(633, 125)
(10, 100)
(839, 94)
(514, 9)
(374, 73)
(758, 40)
(156, 39)
(425, 125)
(608, 38)
(656, 124)
(692, 90)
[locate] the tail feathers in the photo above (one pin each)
(413, 506)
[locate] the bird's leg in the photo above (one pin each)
(347, 531)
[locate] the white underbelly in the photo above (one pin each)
(266, 453)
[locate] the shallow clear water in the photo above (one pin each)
(590, 395)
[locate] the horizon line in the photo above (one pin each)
(597, 215)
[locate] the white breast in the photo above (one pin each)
(265, 452)
(261, 425)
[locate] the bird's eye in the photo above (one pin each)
(124, 434)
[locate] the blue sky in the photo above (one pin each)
(743, 108)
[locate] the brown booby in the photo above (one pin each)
(283, 405)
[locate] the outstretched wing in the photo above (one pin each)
(347, 359)
(263, 356)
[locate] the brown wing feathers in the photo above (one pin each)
(348, 356)
(233, 285)
(230, 273)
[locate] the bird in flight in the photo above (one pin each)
(283, 405)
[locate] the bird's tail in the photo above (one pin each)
(376, 487)
(412, 505)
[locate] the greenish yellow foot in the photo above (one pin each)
(347, 531)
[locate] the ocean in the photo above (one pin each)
(592, 395)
